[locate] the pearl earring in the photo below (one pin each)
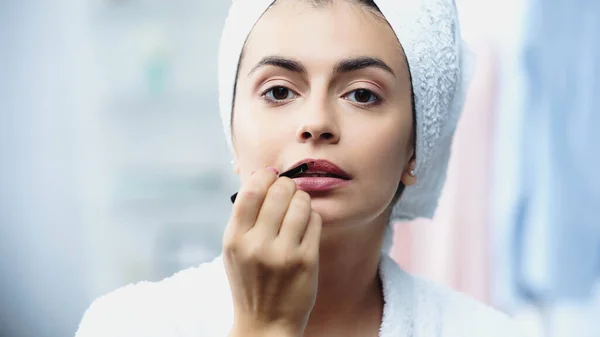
(412, 173)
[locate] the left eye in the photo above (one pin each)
(363, 96)
(279, 94)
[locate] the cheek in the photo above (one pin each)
(384, 155)
(256, 143)
(387, 145)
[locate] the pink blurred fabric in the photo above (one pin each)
(453, 248)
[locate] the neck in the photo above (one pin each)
(349, 286)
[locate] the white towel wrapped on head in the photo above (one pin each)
(429, 33)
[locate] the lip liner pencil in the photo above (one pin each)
(289, 173)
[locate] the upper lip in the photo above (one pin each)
(323, 166)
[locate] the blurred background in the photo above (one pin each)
(114, 168)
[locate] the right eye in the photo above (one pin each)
(279, 93)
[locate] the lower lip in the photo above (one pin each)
(314, 184)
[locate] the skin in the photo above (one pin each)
(320, 251)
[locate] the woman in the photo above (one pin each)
(368, 92)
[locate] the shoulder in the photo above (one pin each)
(438, 310)
(461, 315)
(175, 306)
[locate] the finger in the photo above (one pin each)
(250, 199)
(312, 237)
(296, 218)
(275, 206)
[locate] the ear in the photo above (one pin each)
(407, 178)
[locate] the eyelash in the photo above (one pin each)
(377, 99)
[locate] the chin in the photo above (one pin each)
(332, 212)
(335, 213)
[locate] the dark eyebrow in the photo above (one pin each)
(358, 63)
(280, 62)
(343, 66)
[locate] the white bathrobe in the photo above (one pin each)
(196, 302)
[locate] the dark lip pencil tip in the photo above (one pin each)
(289, 173)
(296, 170)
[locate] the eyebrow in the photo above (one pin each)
(358, 63)
(280, 62)
(343, 66)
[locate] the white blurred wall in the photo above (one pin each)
(41, 278)
(113, 164)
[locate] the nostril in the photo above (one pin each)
(327, 136)
(306, 135)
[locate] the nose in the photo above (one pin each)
(319, 126)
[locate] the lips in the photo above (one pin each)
(322, 169)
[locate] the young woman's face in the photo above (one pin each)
(327, 83)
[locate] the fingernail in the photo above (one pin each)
(273, 169)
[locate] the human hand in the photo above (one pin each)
(271, 255)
